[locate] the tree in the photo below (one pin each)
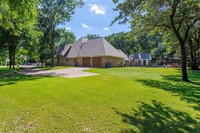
(122, 41)
(17, 24)
(3, 55)
(92, 36)
(155, 15)
(54, 13)
(64, 37)
(193, 46)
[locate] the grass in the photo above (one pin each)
(117, 100)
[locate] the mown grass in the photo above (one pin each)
(117, 100)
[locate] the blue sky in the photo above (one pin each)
(95, 18)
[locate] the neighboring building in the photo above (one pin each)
(91, 53)
(142, 59)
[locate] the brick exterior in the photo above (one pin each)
(79, 62)
(66, 62)
(116, 62)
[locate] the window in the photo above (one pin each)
(139, 62)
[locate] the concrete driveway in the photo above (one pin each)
(67, 72)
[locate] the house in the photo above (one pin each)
(141, 59)
(91, 53)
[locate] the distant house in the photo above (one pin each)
(140, 59)
(91, 53)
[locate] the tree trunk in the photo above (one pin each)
(10, 61)
(10, 57)
(191, 50)
(184, 63)
(42, 63)
(12, 51)
(13, 61)
(52, 53)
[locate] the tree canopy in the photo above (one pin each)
(64, 37)
(172, 16)
(18, 25)
(54, 13)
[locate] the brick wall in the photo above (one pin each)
(116, 62)
(66, 62)
(79, 61)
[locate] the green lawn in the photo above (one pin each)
(118, 100)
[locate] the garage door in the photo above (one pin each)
(86, 62)
(97, 61)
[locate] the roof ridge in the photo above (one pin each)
(103, 45)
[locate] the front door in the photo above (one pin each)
(144, 62)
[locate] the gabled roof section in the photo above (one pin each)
(75, 49)
(110, 50)
(63, 49)
(92, 47)
(60, 49)
(98, 47)
(123, 54)
(144, 56)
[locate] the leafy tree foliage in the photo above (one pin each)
(194, 46)
(121, 41)
(92, 36)
(64, 37)
(54, 13)
(177, 16)
(17, 25)
(135, 44)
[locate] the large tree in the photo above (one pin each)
(17, 24)
(64, 37)
(178, 16)
(124, 42)
(54, 13)
(92, 36)
(193, 46)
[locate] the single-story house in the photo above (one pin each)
(91, 53)
(141, 59)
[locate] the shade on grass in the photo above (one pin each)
(117, 100)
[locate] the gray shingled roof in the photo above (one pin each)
(142, 56)
(60, 49)
(87, 48)
(75, 49)
(98, 47)
(63, 49)
(124, 55)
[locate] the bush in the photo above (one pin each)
(193, 65)
(31, 61)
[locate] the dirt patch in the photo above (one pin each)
(67, 72)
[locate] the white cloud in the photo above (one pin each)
(105, 28)
(68, 28)
(97, 9)
(85, 26)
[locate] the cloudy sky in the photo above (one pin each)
(95, 18)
